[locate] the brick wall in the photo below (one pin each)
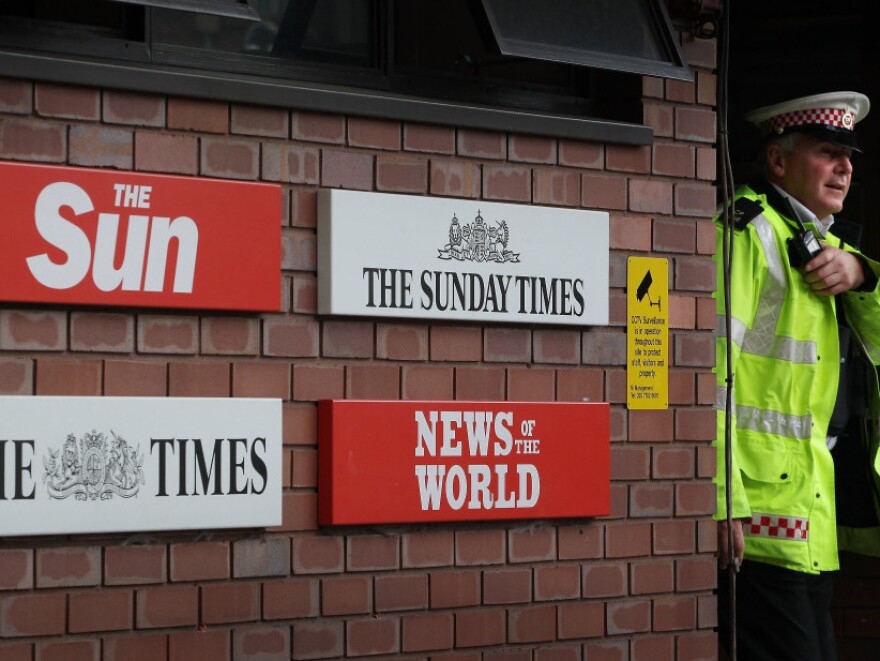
(633, 586)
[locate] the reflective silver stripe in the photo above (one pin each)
(761, 339)
(721, 398)
(792, 528)
(773, 422)
(737, 329)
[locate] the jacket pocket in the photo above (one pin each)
(762, 465)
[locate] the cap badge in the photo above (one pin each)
(848, 119)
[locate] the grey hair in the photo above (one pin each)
(786, 142)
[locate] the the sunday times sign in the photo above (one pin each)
(115, 464)
(384, 255)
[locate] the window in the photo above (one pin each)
(487, 63)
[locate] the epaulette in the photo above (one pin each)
(744, 211)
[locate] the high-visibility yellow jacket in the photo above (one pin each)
(786, 364)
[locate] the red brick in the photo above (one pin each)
(428, 138)
(299, 424)
(507, 586)
(351, 170)
(650, 499)
(259, 120)
(581, 154)
(455, 589)
(427, 382)
(318, 639)
(138, 647)
(168, 606)
(16, 96)
(54, 100)
(626, 617)
(431, 631)
(695, 200)
(348, 339)
(602, 347)
(316, 382)
(557, 188)
(401, 174)
(125, 565)
(22, 330)
(299, 511)
(167, 334)
(374, 133)
(101, 146)
(133, 108)
(305, 468)
(630, 232)
(299, 250)
(627, 540)
(261, 380)
(125, 378)
(630, 463)
(604, 580)
(481, 144)
(372, 553)
(580, 542)
(579, 385)
(697, 573)
(292, 337)
(373, 381)
(531, 149)
(107, 610)
(68, 567)
(501, 182)
(427, 549)
(33, 615)
(652, 577)
(507, 345)
(651, 425)
(480, 547)
(695, 124)
(229, 158)
(557, 582)
(702, 646)
(531, 385)
(401, 342)
(33, 141)
(455, 178)
(261, 557)
(450, 343)
(16, 569)
(627, 158)
(292, 164)
(556, 346)
(230, 602)
(650, 196)
(694, 350)
(707, 164)
(315, 127)
(200, 561)
(201, 379)
(318, 555)
(694, 498)
(292, 599)
(346, 595)
(531, 545)
(682, 312)
(681, 91)
(264, 643)
(401, 592)
(92, 331)
(616, 650)
(583, 619)
(198, 115)
(675, 613)
(673, 463)
(73, 650)
(601, 191)
(707, 88)
(674, 160)
(68, 377)
(480, 628)
(189, 645)
(372, 636)
(304, 293)
(230, 336)
(17, 376)
(674, 537)
(479, 384)
(532, 624)
(705, 238)
(161, 152)
(653, 648)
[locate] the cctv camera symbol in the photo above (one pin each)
(643, 290)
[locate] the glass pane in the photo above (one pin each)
(335, 31)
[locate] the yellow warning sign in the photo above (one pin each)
(647, 333)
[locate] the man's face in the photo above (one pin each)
(816, 173)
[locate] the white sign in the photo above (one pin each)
(118, 464)
(383, 255)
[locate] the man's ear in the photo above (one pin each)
(776, 160)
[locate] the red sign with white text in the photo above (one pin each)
(408, 461)
(104, 237)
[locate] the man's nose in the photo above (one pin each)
(844, 164)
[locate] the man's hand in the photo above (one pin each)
(833, 271)
(739, 544)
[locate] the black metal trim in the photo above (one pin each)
(242, 9)
(313, 97)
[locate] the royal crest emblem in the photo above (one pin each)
(92, 468)
(478, 242)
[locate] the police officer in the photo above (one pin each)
(802, 300)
